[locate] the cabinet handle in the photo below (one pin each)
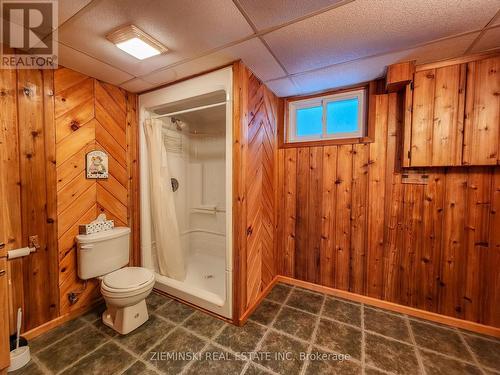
(2, 245)
(2, 273)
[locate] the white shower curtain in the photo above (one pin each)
(166, 233)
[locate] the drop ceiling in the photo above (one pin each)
(296, 47)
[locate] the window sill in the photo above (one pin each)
(327, 142)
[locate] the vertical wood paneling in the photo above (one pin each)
(376, 196)
(342, 242)
(453, 258)
(358, 217)
(327, 247)
(303, 213)
(315, 204)
(434, 246)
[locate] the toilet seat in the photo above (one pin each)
(127, 280)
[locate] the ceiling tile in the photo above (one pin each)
(82, 63)
(363, 70)
(269, 13)
(186, 27)
(283, 87)
(367, 27)
(489, 40)
(136, 85)
(253, 53)
(69, 8)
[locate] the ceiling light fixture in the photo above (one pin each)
(136, 42)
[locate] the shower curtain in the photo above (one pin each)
(166, 233)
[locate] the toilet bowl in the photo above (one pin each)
(104, 255)
(125, 291)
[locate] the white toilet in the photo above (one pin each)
(103, 255)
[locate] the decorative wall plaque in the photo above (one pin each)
(97, 165)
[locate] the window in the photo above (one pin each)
(337, 116)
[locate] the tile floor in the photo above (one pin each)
(290, 321)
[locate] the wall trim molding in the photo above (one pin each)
(434, 317)
(257, 302)
(51, 324)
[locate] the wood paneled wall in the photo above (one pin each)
(254, 187)
(348, 222)
(49, 119)
(89, 115)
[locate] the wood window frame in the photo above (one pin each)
(370, 89)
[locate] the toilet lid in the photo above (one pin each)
(128, 277)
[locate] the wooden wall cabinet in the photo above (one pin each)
(454, 117)
(482, 108)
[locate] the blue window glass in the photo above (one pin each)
(308, 121)
(342, 116)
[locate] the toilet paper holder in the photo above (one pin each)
(33, 245)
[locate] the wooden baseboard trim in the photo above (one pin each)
(37, 331)
(257, 302)
(438, 318)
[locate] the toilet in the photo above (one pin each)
(104, 255)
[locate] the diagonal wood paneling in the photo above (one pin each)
(90, 115)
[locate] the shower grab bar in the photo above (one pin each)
(190, 110)
(208, 210)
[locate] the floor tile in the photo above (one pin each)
(279, 293)
(307, 301)
(241, 339)
(58, 333)
(439, 339)
(277, 345)
(339, 338)
(343, 311)
(203, 324)
(295, 323)
(144, 336)
(252, 369)
(486, 351)
(266, 312)
(175, 311)
(103, 328)
(436, 364)
(215, 361)
(156, 300)
(95, 313)
(386, 324)
(139, 368)
(71, 348)
(390, 355)
(108, 359)
(324, 363)
(373, 371)
(172, 354)
(30, 369)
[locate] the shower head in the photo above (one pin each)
(178, 123)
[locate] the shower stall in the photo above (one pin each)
(186, 189)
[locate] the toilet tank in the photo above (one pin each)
(101, 253)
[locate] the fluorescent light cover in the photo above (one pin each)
(136, 42)
(138, 48)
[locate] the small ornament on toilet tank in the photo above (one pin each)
(98, 225)
(96, 165)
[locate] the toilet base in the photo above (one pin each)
(125, 319)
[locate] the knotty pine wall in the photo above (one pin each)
(49, 119)
(255, 190)
(346, 221)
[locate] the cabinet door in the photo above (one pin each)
(4, 317)
(437, 116)
(482, 122)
